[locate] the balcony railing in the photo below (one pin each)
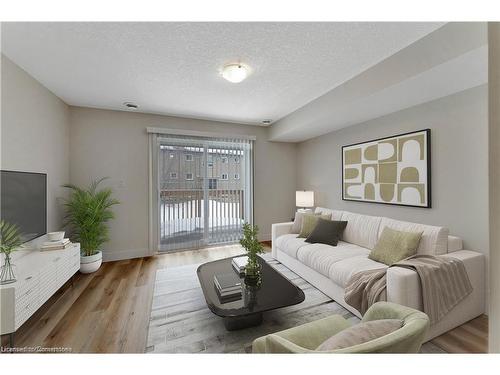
(186, 220)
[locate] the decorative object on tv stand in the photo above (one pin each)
(393, 170)
(253, 248)
(304, 200)
(55, 236)
(56, 242)
(10, 240)
(87, 213)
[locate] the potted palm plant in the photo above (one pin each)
(10, 240)
(252, 247)
(87, 212)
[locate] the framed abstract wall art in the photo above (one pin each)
(394, 170)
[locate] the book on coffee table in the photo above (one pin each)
(231, 298)
(228, 287)
(227, 282)
(239, 263)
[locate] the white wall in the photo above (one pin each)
(459, 145)
(115, 144)
(35, 134)
(494, 167)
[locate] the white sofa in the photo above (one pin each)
(329, 268)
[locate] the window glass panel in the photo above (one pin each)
(212, 183)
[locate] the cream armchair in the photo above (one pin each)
(307, 337)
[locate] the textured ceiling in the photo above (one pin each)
(453, 58)
(172, 68)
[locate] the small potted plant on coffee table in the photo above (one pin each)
(252, 247)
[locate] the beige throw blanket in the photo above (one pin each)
(444, 284)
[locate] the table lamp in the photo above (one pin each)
(304, 200)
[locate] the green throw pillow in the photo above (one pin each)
(309, 222)
(297, 222)
(394, 245)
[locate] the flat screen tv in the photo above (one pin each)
(24, 202)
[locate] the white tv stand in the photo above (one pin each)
(39, 275)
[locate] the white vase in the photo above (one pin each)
(89, 264)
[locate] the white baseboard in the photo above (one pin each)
(265, 237)
(112, 255)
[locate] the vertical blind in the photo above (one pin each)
(205, 189)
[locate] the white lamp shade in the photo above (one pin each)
(304, 198)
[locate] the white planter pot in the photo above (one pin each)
(89, 264)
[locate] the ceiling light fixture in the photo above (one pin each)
(235, 73)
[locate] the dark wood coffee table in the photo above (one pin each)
(275, 291)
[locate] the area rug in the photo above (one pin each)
(181, 322)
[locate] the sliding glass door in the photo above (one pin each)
(204, 190)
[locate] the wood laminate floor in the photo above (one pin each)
(108, 311)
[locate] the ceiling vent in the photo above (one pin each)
(130, 105)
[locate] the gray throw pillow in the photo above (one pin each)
(361, 333)
(297, 222)
(328, 232)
